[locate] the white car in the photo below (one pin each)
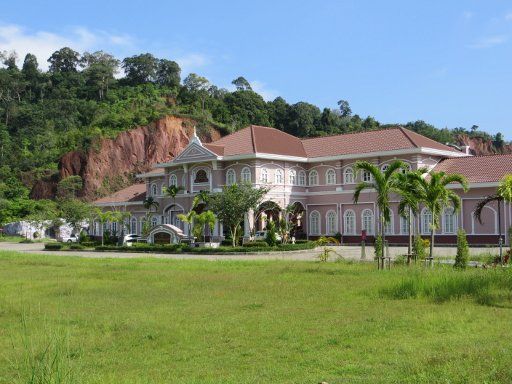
(262, 235)
(131, 238)
(70, 239)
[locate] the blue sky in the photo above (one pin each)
(445, 62)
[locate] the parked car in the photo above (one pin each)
(70, 239)
(262, 235)
(131, 238)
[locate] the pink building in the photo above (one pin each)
(318, 176)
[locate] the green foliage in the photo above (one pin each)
(378, 248)
(271, 236)
(461, 259)
(53, 246)
(418, 248)
(233, 202)
(255, 244)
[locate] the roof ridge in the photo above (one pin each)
(349, 133)
(253, 139)
(406, 134)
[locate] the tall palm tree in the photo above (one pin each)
(409, 202)
(432, 191)
(172, 192)
(384, 183)
(503, 193)
(149, 203)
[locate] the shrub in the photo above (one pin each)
(83, 238)
(301, 241)
(89, 244)
(271, 237)
(53, 246)
(26, 241)
(461, 259)
(256, 244)
(76, 246)
(400, 260)
(418, 248)
(338, 236)
(327, 240)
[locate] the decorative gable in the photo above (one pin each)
(195, 152)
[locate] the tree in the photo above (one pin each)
(207, 218)
(44, 213)
(9, 59)
(304, 119)
(384, 183)
(345, 110)
(64, 60)
(432, 191)
(499, 141)
(233, 203)
(140, 69)
(168, 73)
(503, 193)
(68, 187)
(100, 68)
(76, 212)
(409, 202)
(462, 256)
(149, 203)
(172, 192)
(188, 218)
(103, 217)
(242, 84)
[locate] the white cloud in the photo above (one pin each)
(42, 43)
(508, 16)
(192, 61)
(488, 42)
(260, 87)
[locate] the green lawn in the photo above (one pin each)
(165, 321)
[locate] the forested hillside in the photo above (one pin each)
(82, 98)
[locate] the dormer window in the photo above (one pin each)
(201, 177)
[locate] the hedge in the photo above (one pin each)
(256, 244)
(53, 246)
(181, 248)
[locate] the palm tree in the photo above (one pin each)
(172, 192)
(150, 203)
(432, 191)
(409, 202)
(503, 193)
(384, 183)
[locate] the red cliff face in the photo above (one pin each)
(479, 146)
(111, 164)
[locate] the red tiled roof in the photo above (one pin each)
(136, 192)
(372, 141)
(257, 139)
(478, 169)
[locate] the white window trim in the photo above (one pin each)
(230, 173)
(246, 171)
(351, 171)
(425, 231)
(327, 225)
(302, 178)
(332, 172)
(173, 180)
(278, 174)
(264, 171)
(311, 173)
(319, 229)
(371, 230)
(455, 222)
(293, 177)
(345, 217)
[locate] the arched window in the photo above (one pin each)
(366, 176)
(349, 222)
(389, 228)
(331, 223)
(302, 178)
(162, 189)
(133, 225)
(426, 220)
(330, 176)
(279, 176)
(293, 177)
(154, 190)
(264, 175)
(154, 221)
(348, 176)
(201, 176)
(367, 221)
(230, 177)
(404, 225)
(173, 180)
(314, 223)
(246, 175)
(449, 221)
(313, 178)
(114, 228)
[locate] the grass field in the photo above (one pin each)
(74, 320)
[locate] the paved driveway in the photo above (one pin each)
(347, 252)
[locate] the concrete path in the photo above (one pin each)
(347, 252)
